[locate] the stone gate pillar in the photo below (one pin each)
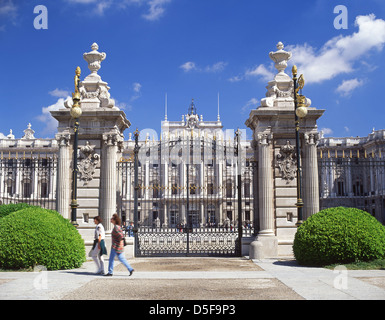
(273, 126)
(100, 142)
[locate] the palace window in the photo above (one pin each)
(193, 188)
(229, 189)
(155, 191)
(246, 189)
(27, 189)
(44, 189)
(210, 188)
(174, 189)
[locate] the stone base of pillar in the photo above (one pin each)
(264, 247)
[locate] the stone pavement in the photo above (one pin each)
(197, 279)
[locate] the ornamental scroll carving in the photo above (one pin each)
(287, 162)
(88, 164)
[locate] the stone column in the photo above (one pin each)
(36, 193)
(63, 176)
(18, 187)
(266, 243)
(108, 183)
(266, 206)
(3, 185)
(311, 184)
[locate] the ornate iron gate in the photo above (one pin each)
(202, 207)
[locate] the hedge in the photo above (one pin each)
(6, 209)
(339, 235)
(35, 236)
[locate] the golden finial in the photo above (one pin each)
(294, 70)
(77, 79)
(76, 111)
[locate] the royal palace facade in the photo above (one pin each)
(195, 172)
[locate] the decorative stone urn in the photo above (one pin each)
(94, 59)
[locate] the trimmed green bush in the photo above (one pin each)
(6, 209)
(35, 236)
(339, 235)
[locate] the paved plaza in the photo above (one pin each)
(196, 279)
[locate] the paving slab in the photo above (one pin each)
(324, 284)
(197, 278)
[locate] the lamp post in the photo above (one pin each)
(76, 112)
(300, 112)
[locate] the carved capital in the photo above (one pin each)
(63, 139)
(264, 139)
(109, 139)
(113, 139)
(311, 138)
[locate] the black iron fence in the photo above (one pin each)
(29, 180)
(353, 182)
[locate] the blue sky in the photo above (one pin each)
(193, 49)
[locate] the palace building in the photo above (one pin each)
(196, 172)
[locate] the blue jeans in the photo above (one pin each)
(121, 258)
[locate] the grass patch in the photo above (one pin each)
(378, 264)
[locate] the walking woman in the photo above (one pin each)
(117, 246)
(99, 247)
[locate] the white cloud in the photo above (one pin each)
(348, 86)
(102, 6)
(45, 117)
(136, 87)
(327, 131)
(123, 105)
(59, 93)
(7, 8)
(2, 136)
(216, 67)
(97, 6)
(346, 129)
(156, 9)
(339, 54)
(259, 71)
(188, 66)
(8, 11)
(83, 1)
(236, 78)
(251, 104)
(191, 66)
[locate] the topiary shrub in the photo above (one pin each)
(339, 235)
(36, 236)
(6, 209)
